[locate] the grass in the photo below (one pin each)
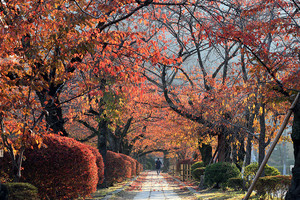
(215, 194)
(100, 193)
(218, 194)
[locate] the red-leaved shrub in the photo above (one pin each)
(132, 163)
(118, 169)
(99, 162)
(139, 168)
(65, 169)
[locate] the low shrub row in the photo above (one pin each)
(273, 186)
(64, 168)
(198, 169)
(218, 174)
(266, 187)
(118, 168)
(228, 174)
(20, 191)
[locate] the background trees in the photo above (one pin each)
(148, 75)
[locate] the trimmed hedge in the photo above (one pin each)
(235, 183)
(219, 173)
(64, 169)
(198, 172)
(197, 165)
(21, 191)
(250, 170)
(132, 163)
(139, 168)
(118, 169)
(99, 162)
(273, 186)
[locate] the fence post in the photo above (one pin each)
(190, 171)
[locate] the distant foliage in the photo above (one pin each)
(118, 169)
(65, 169)
(218, 174)
(99, 162)
(251, 170)
(22, 191)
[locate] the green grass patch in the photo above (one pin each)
(219, 194)
(214, 194)
(100, 193)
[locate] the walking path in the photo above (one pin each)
(155, 187)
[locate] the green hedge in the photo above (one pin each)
(273, 186)
(197, 165)
(196, 173)
(237, 183)
(21, 191)
(251, 170)
(218, 174)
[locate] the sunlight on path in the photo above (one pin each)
(156, 187)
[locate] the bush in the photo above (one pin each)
(273, 186)
(132, 163)
(235, 183)
(99, 162)
(118, 169)
(251, 170)
(63, 169)
(21, 191)
(6, 174)
(197, 165)
(218, 174)
(196, 173)
(139, 168)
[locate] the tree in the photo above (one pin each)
(280, 62)
(49, 40)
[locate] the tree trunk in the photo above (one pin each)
(250, 119)
(294, 190)
(241, 153)
(248, 150)
(206, 152)
(166, 162)
(224, 148)
(262, 137)
(102, 146)
(54, 116)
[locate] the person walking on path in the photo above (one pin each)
(158, 165)
(156, 188)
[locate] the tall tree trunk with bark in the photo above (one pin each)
(224, 148)
(54, 117)
(102, 146)
(250, 120)
(205, 151)
(294, 190)
(262, 136)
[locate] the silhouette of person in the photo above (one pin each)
(158, 165)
